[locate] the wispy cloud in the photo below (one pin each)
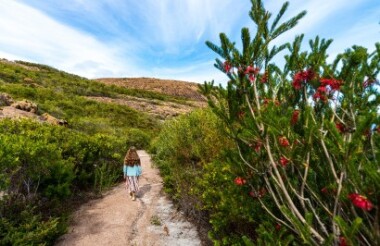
(115, 37)
(162, 38)
(29, 34)
(334, 19)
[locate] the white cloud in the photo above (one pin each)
(162, 29)
(120, 38)
(29, 34)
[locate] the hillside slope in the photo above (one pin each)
(49, 168)
(176, 88)
(49, 88)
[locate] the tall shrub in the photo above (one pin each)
(307, 134)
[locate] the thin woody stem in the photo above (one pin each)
(245, 162)
(305, 178)
(278, 205)
(253, 113)
(286, 194)
(307, 200)
(334, 225)
(329, 161)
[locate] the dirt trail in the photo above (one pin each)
(117, 220)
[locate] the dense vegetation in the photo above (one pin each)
(283, 156)
(44, 167)
(291, 155)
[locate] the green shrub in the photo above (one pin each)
(41, 165)
(22, 224)
(138, 138)
(308, 134)
(191, 154)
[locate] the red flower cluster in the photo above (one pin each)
(295, 116)
(278, 227)
(324, 190)
(327, 86)
(302, 76)
(258, 194)
(227, 66)
(256, 146)
(264, 78)
(284, 142)
(266, 101)
(333, 83)
(251, 72)
(284, 161)
(241, 115)
(341, 127)
(240, 181)
(360, 201)
(321, 94)
(342, 241)
(329, 191)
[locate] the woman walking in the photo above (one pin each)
(132, 171)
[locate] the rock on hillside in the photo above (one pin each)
(159, 109)
(188, 90)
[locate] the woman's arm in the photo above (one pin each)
(139, 170)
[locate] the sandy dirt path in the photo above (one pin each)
(117, 220)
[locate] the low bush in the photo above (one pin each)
(191, 153)
(43, 166)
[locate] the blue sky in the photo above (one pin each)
(162, 38)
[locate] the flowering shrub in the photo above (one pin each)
(307, 132)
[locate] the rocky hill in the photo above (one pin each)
(161, 99)
(176, 88)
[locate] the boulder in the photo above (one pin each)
(52, 120)
(5, 99)
(25, 105)
(14, 113)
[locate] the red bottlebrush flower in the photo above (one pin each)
(227, 66)
(252, 70)
(284, 161)
(333, 83)
(308, 75)
(252, 194)
(342, 241)
(322, 89)
(295, 115)
(341, 127)
(321, 94)
(266, 101)
(301, 77)
(367, 133)
(297, 84)
(256, 146)
(241, 114)
(257, 194)
(262, 192)
(283, 141)
(264, 78)
(278, 227)
(360, 201)
(251, 78)
(239, 181)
